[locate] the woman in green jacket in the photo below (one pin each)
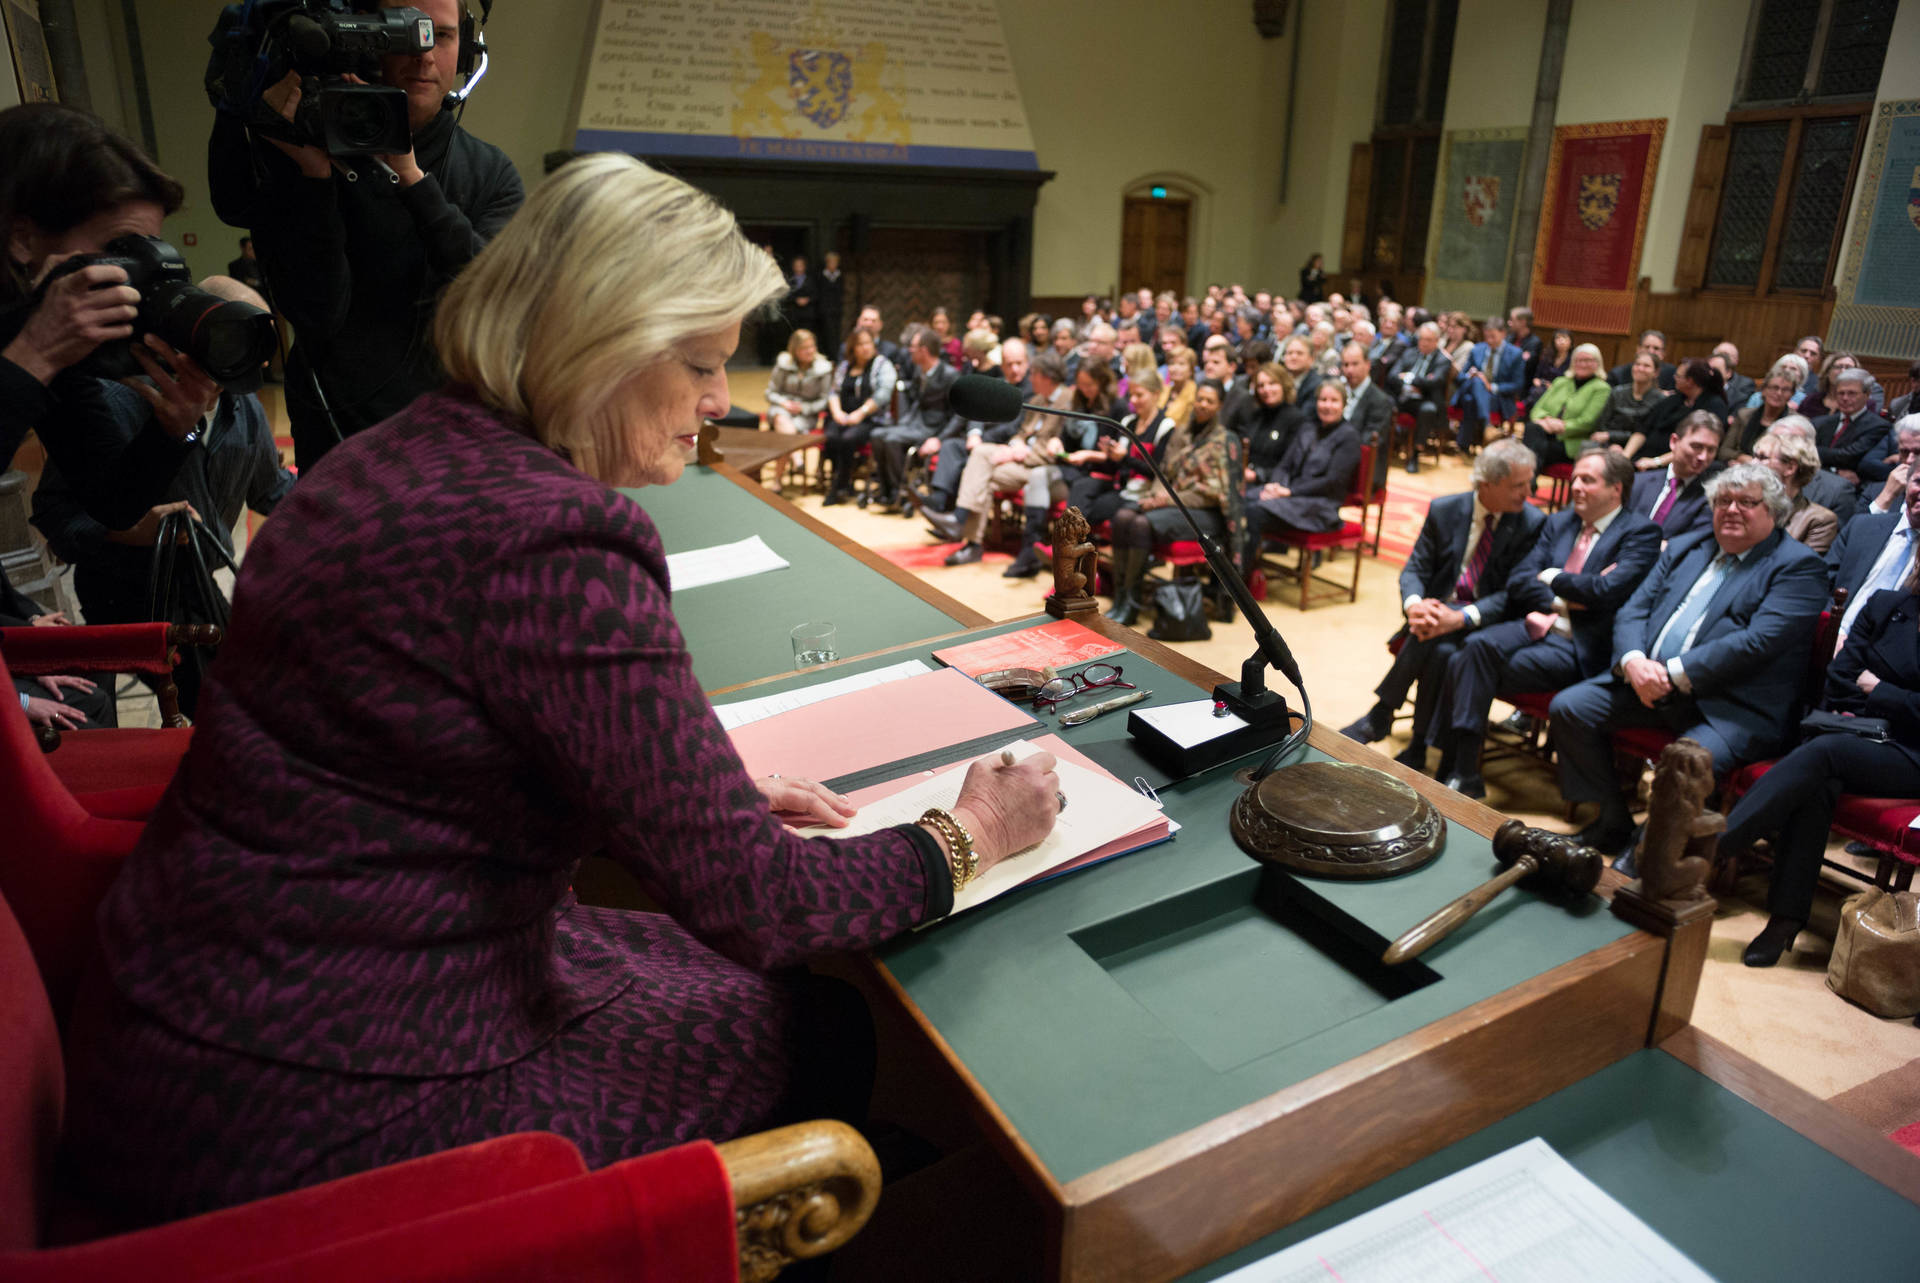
(1561, 420)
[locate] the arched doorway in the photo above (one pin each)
(1161, 226)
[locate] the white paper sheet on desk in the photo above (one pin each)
(1189, 723)
(1525, 1216)
(740, 712)
(698, 567)
(1099, 809)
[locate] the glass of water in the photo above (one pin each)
(815, 643)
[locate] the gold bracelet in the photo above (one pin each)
(964, 861)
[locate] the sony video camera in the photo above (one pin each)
(322, 41)
(228, 339)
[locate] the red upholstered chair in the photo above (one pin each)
(1352, 534)
(516, 1207)
(1880, 822)
(114, 773)
(1560, 475)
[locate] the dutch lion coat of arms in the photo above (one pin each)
(822, 83)
(1599, 198)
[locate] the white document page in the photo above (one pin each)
(1190, 723)
(1525, 1216)
(740, 712)
(698, 567)
(1099, 809)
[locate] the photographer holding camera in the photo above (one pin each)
(68, 187)
(358, 241)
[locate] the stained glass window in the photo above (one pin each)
(1856, 48)
(1746, 204)
(1818, 203)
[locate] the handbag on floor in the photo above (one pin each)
(1876, 952)
(1180, 612)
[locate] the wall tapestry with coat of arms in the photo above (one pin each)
(1877, 312)
(1593, 223)
(1472, 235)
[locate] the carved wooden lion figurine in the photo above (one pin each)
(1676, 853)
(1072, 555)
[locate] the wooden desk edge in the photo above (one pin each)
(1845, 1137)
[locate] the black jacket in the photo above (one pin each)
(1619, 559)
(357, 267)
(1433, 567)
(1866, 436)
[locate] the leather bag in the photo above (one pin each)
(1180, 612)
(1876, 952)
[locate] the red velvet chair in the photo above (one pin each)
(1560, 475)
(1352, 534)
(116, 773)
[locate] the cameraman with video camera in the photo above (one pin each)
(360, 219)
(68, 187)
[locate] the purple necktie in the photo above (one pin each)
(1464, 589)
(1666, 504)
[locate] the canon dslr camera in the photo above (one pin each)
(323, 42)
(228, 339)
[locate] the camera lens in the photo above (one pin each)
(228, 339)
(360, 122)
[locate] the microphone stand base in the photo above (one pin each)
(1266, 710)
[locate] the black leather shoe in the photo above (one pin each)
(866, 497)
(833, 497)
(906, 507)
(1368, 728)
(1028, 564)
(1414, 756)
(946, 525)
(1518, 723)
(1774, 939)
(1413, 466)
(1608, 838)
(1468, 785)
(965, 555)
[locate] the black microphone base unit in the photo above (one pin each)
(1267, 709)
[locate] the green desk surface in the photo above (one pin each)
(737, 631)
(1117, 1007)
(1745, 1196)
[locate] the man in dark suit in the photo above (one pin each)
(1369, 410)
(1853, 432)
(1711, 646)
(1654, 343)
(1890, 472)
(1454, 583)
(927, 419)
(1496, 373)
(962, 436)
(1738, 386)
(830, 293)
(799, 303)
(1520, 334)
(1418, 384)
(1675, 497)
(1874, 552)
(1561, 601)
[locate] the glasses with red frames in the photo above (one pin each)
(1092, 677)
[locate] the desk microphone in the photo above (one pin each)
(986, 400)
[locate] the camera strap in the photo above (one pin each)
(179, 579)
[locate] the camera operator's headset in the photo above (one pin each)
(472, 66)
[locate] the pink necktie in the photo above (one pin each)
(1581, 547)
(1846, 421)
(1463, 589)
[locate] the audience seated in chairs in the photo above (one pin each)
(1454, 582)
(956, 448)
(1675, 497)
(1121, 477)
(926, 420)
(1828, 489)
(1750, 422)
(798, 389)
(1696, 390)
(1874, 553)
(862, 399)
(1623, 423)
(1876, 674)
(1794, 462)
(1654, 344)
(1271, 418)
(1418, 386)
(1712, 645)
(1494, 377)
(1007, 457)
(1903, 453)
(1205, 473)
(1561, 602)
(1559, 423)
(63, 703)
(1305, 489)
(1369, 409)
(1853, 432)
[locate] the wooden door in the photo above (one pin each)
(1153, 244)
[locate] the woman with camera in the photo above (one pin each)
(453, 669)
(68, 186)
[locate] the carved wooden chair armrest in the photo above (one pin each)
(798, 1192)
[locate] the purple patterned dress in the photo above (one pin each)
(348, 937)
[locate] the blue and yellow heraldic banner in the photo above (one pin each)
(912, 83)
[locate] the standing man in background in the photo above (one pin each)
(357, 265)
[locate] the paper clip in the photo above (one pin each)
(1146, 789)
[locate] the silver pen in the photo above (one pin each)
(1091, 711)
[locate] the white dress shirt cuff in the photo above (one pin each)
(1629, 657)
(1409, 603)
(1678, 674)
(1546, 576)
(1473, 615)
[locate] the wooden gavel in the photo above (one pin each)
(1542, 860)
